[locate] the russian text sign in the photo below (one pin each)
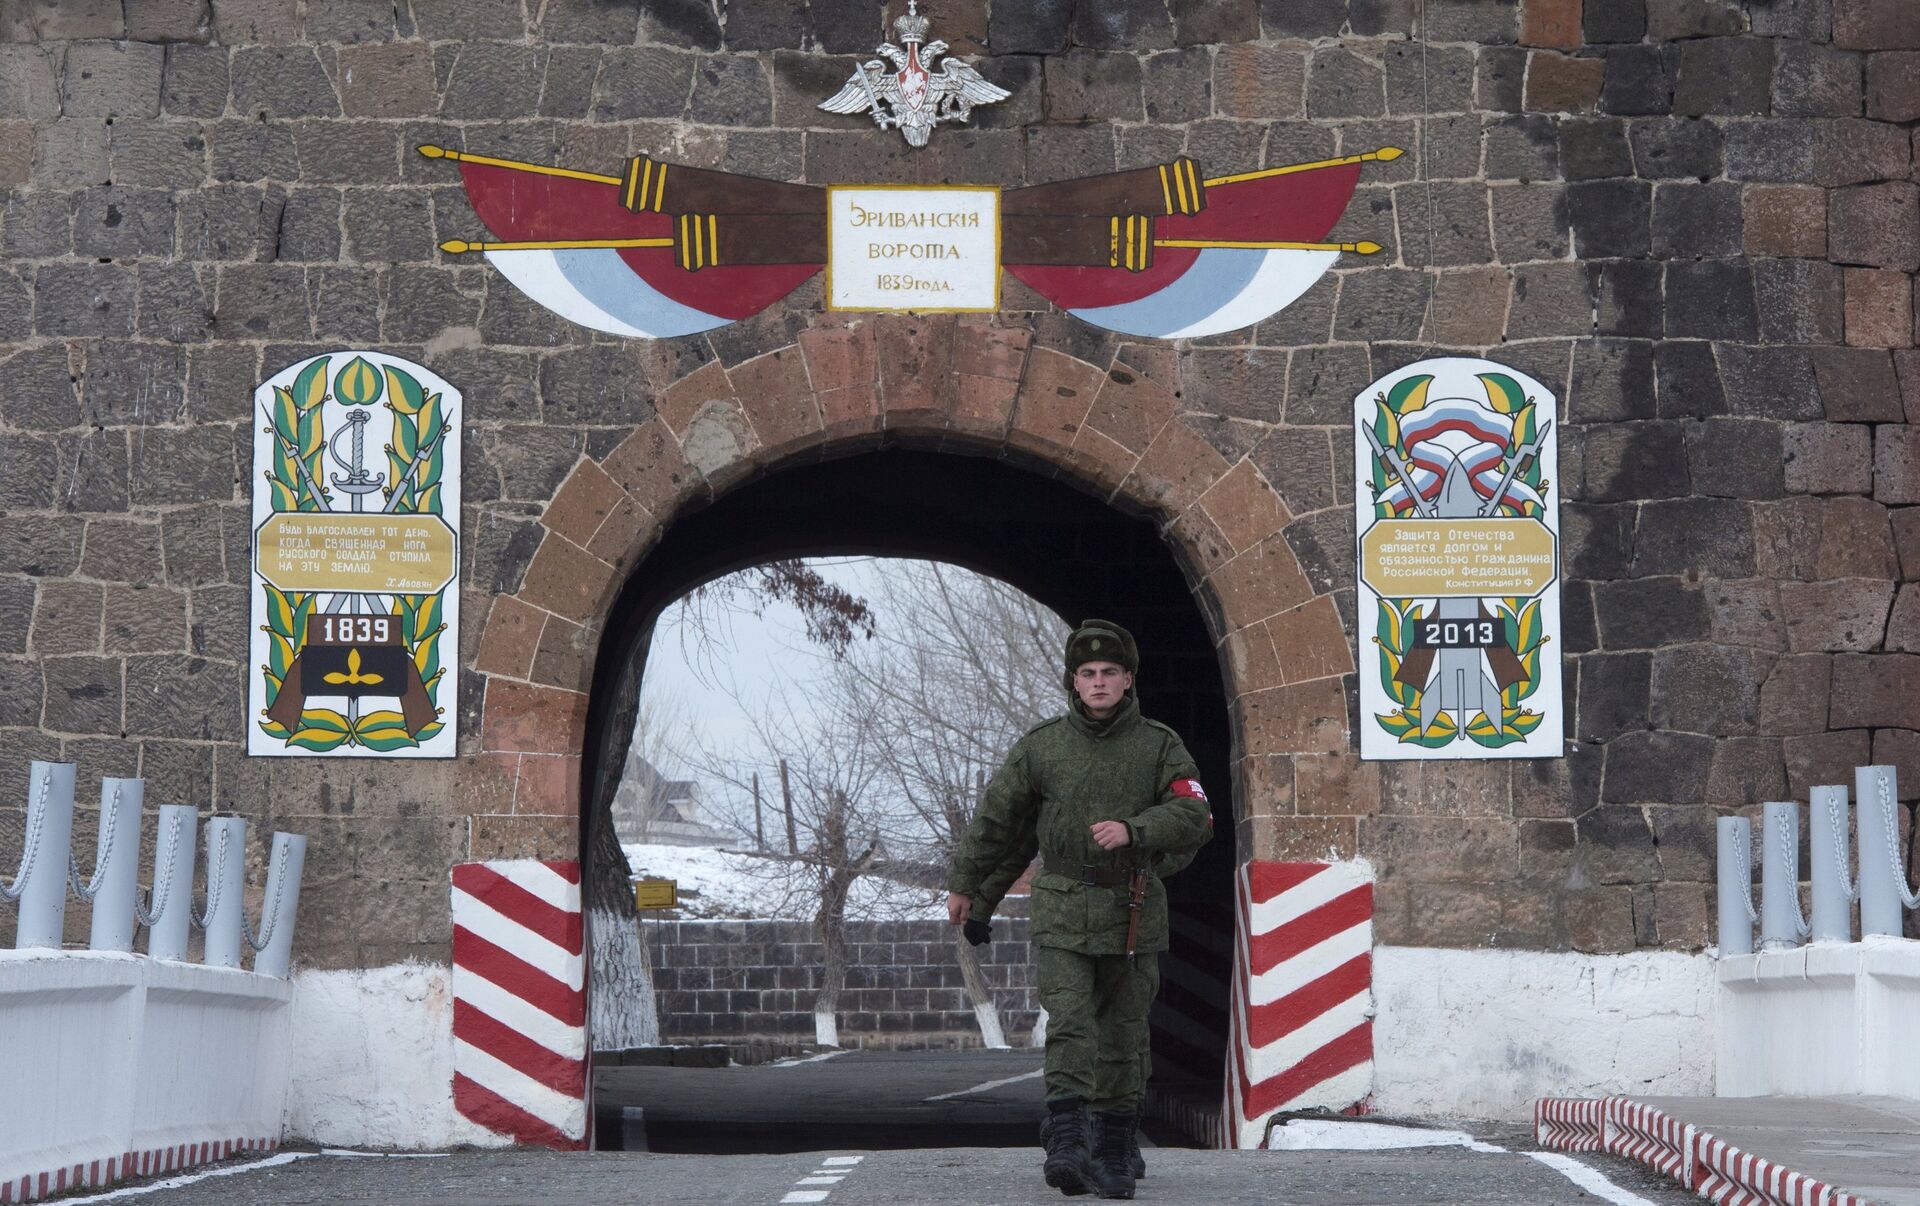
(356, 555)
(1455, 462)
(909, 248)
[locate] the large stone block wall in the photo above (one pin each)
(725, 981)
(1697, 219)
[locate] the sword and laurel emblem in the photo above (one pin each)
(905, 92)
(354, 570)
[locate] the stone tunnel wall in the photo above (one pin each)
(1695, 219)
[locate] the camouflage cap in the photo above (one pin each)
(1101, 641)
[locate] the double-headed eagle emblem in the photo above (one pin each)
(908, 94)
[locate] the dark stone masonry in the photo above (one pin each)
(1696, 220)
(730, 981)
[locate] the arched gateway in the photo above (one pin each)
(958, 439)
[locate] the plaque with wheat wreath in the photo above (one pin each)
(356, 602)
(1458, 533)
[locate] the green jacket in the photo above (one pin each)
(1063, 776)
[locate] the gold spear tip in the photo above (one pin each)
(1367, 247)
(1388, 154)
(456, 246)
(433, 152)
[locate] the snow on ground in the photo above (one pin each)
(733, 884)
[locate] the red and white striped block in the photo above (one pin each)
(1731, 1177)
(1302, 1010)
(1713, 1168)
(146, 1163)
(1570, 1124)
(1651, 1136)
(520, 1002)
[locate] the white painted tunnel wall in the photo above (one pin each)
(111, 1053)
(373, 1060)
(1484, 1033)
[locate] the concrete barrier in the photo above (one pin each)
(119, 1065)
(1824, 1019)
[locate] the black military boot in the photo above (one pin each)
(1066, 1134)
(1112, 1163)
(1134, 1157)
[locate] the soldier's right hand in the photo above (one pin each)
(959, 908)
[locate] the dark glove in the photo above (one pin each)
(978, 932)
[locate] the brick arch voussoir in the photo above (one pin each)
(970, 382)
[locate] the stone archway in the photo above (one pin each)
(971, 384)
(977, 389)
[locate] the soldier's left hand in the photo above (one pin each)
(1111, 835)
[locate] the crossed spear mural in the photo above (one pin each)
(667, 249)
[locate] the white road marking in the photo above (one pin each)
(843, 1159)
(835, 1180)
(1305, 1134)
(806, 1195)
(810, 1059)
(992, 1084)
(1588, 1178)
(191, 1178)
(275, 1161)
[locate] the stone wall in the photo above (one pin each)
(1697, 219)
(724, 981)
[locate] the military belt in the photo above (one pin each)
(1090, 873)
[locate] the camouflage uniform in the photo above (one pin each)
(1062, 777)
(993, 891)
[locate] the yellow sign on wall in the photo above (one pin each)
(656, 894)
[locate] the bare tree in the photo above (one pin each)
(842, 822)
(888, 749)
(962, 667)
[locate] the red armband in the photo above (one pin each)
(1190, 788)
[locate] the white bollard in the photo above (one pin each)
(226, 885)
(115, 885)
(46, 847)
(1735, 885)
(282, 903)
(1876, 795)
(171, 906)
(1780, 921)
(1833, 893)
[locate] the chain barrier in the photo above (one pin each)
(278, 874)
(37, 815)
(1790, 840)
(1847, 885)
(102, 859)
(216, 871)
(162, 880)
(1888, 817)
(1746, 876)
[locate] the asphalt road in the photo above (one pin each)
(933, 1177)
(876, 1099)
(885, 1128)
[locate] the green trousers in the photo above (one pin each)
(1096, 1025)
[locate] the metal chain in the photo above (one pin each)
(1746, 876)
(216, 871)
(102, 859)
(278, 874)
(1847, 885)
(1790, 839)
(37, 816)
(162, 880)
(1887, 809)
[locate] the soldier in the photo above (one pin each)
(1100, 792)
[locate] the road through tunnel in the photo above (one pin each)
(1038, 530)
